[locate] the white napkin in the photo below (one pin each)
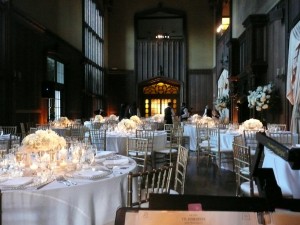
(103, 154)
(90, 174)
(17, 182)
(118, 161)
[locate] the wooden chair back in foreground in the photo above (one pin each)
(242, 165)
(137, 149)
(140, 185)
(180, 170)
(98, 138)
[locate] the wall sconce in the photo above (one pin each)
(280, 74)
(224, 25)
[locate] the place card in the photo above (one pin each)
(148, 217)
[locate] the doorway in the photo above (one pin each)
(156, 93)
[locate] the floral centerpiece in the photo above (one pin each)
(195, 118)
(99, 119)
(158, 118)
(260, 98)
(252, 124)
(43, 140)
(126, 125)
(222, 102)
(113, 117)
(136, 119)
(62, 122)
(207, 120)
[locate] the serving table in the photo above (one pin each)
(85, 201)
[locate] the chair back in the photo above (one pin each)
(285, 138)
(98, 138)
(9, 129)
(214, 137)
(77, 132)
(42, 126)
(201, 132)
(250, 139)
(137, 149)
(180, 170)
(242, 166)
(140, 185)
(147, 134)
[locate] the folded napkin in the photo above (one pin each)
(90, 174)
(116, 161)
(104, 154)
(17, 182)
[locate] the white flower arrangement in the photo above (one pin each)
(126, 125)
(158, 118)
(99, 119)
(113, 117)
(136, 119)
(252, 124)
(207, 120)
(195, 118)
(260, 98)
(222, 102)
(62, 122)
(43, 140)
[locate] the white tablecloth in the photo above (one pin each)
(90, 202)
(116, 141)
(287, 179)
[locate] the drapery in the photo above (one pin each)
(293, 73)
(223, 84)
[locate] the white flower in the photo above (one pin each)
(126, 125)
(222, 102)
(99, 119)
(44, 140)
(157, 118)
(113, 117)
(259, 99)
(253, 124)
(207, 120)
(195, 118)
(136, 119)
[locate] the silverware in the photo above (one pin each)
(43, 185)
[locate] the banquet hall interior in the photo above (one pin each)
(73, 68)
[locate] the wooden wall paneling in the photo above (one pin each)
(200, 90)
(121, 88)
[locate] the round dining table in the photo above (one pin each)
(81, 202)
(116, 141)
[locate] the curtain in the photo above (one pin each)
(223, 84)
(293, 73)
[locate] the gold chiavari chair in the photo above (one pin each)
(9, 129)
(169, 153)
(285, 138)
(215, 151)
(149, 135)
(250, 139)
(137, 149)
(242, 165)
(202, 140)
(155, 181)
(180, 170)
(98, 138)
